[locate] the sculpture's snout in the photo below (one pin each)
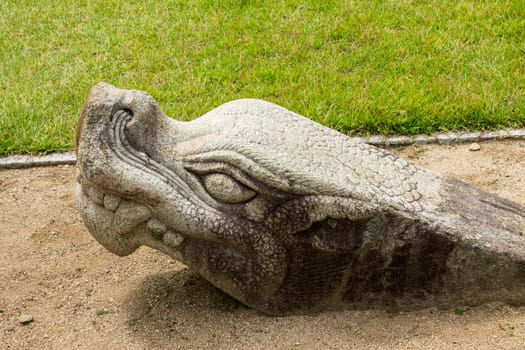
(110, 133)
(105, 101)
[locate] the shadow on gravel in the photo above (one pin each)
(168, 305)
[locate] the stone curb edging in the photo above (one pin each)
(444, 138)
(24, 161)
(69, 158)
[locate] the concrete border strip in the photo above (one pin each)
(69, 158)
(445, 138)
(25, 161)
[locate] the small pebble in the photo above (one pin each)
(474, 147)
(25, 319)
(101, 312)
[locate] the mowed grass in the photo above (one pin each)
(361, 67)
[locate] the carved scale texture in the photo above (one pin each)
(361, 171)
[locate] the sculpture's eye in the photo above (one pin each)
(225, 189)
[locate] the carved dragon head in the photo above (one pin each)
(278, 211)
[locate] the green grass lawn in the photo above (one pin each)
(361, 67)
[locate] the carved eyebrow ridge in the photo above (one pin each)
(204, 168)
(201, 161)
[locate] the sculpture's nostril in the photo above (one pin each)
(120, 110)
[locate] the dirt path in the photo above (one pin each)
(82, 297)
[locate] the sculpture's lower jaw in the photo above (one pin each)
(103, 224)
(99, 221)
(131, 224)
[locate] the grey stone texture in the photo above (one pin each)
(289, 216)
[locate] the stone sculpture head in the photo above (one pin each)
(278, 211)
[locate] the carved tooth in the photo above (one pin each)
(111, 202)
(156, 227)
(173, 239)
(95, 195)
(128, 216)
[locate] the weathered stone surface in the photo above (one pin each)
(287, 215)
